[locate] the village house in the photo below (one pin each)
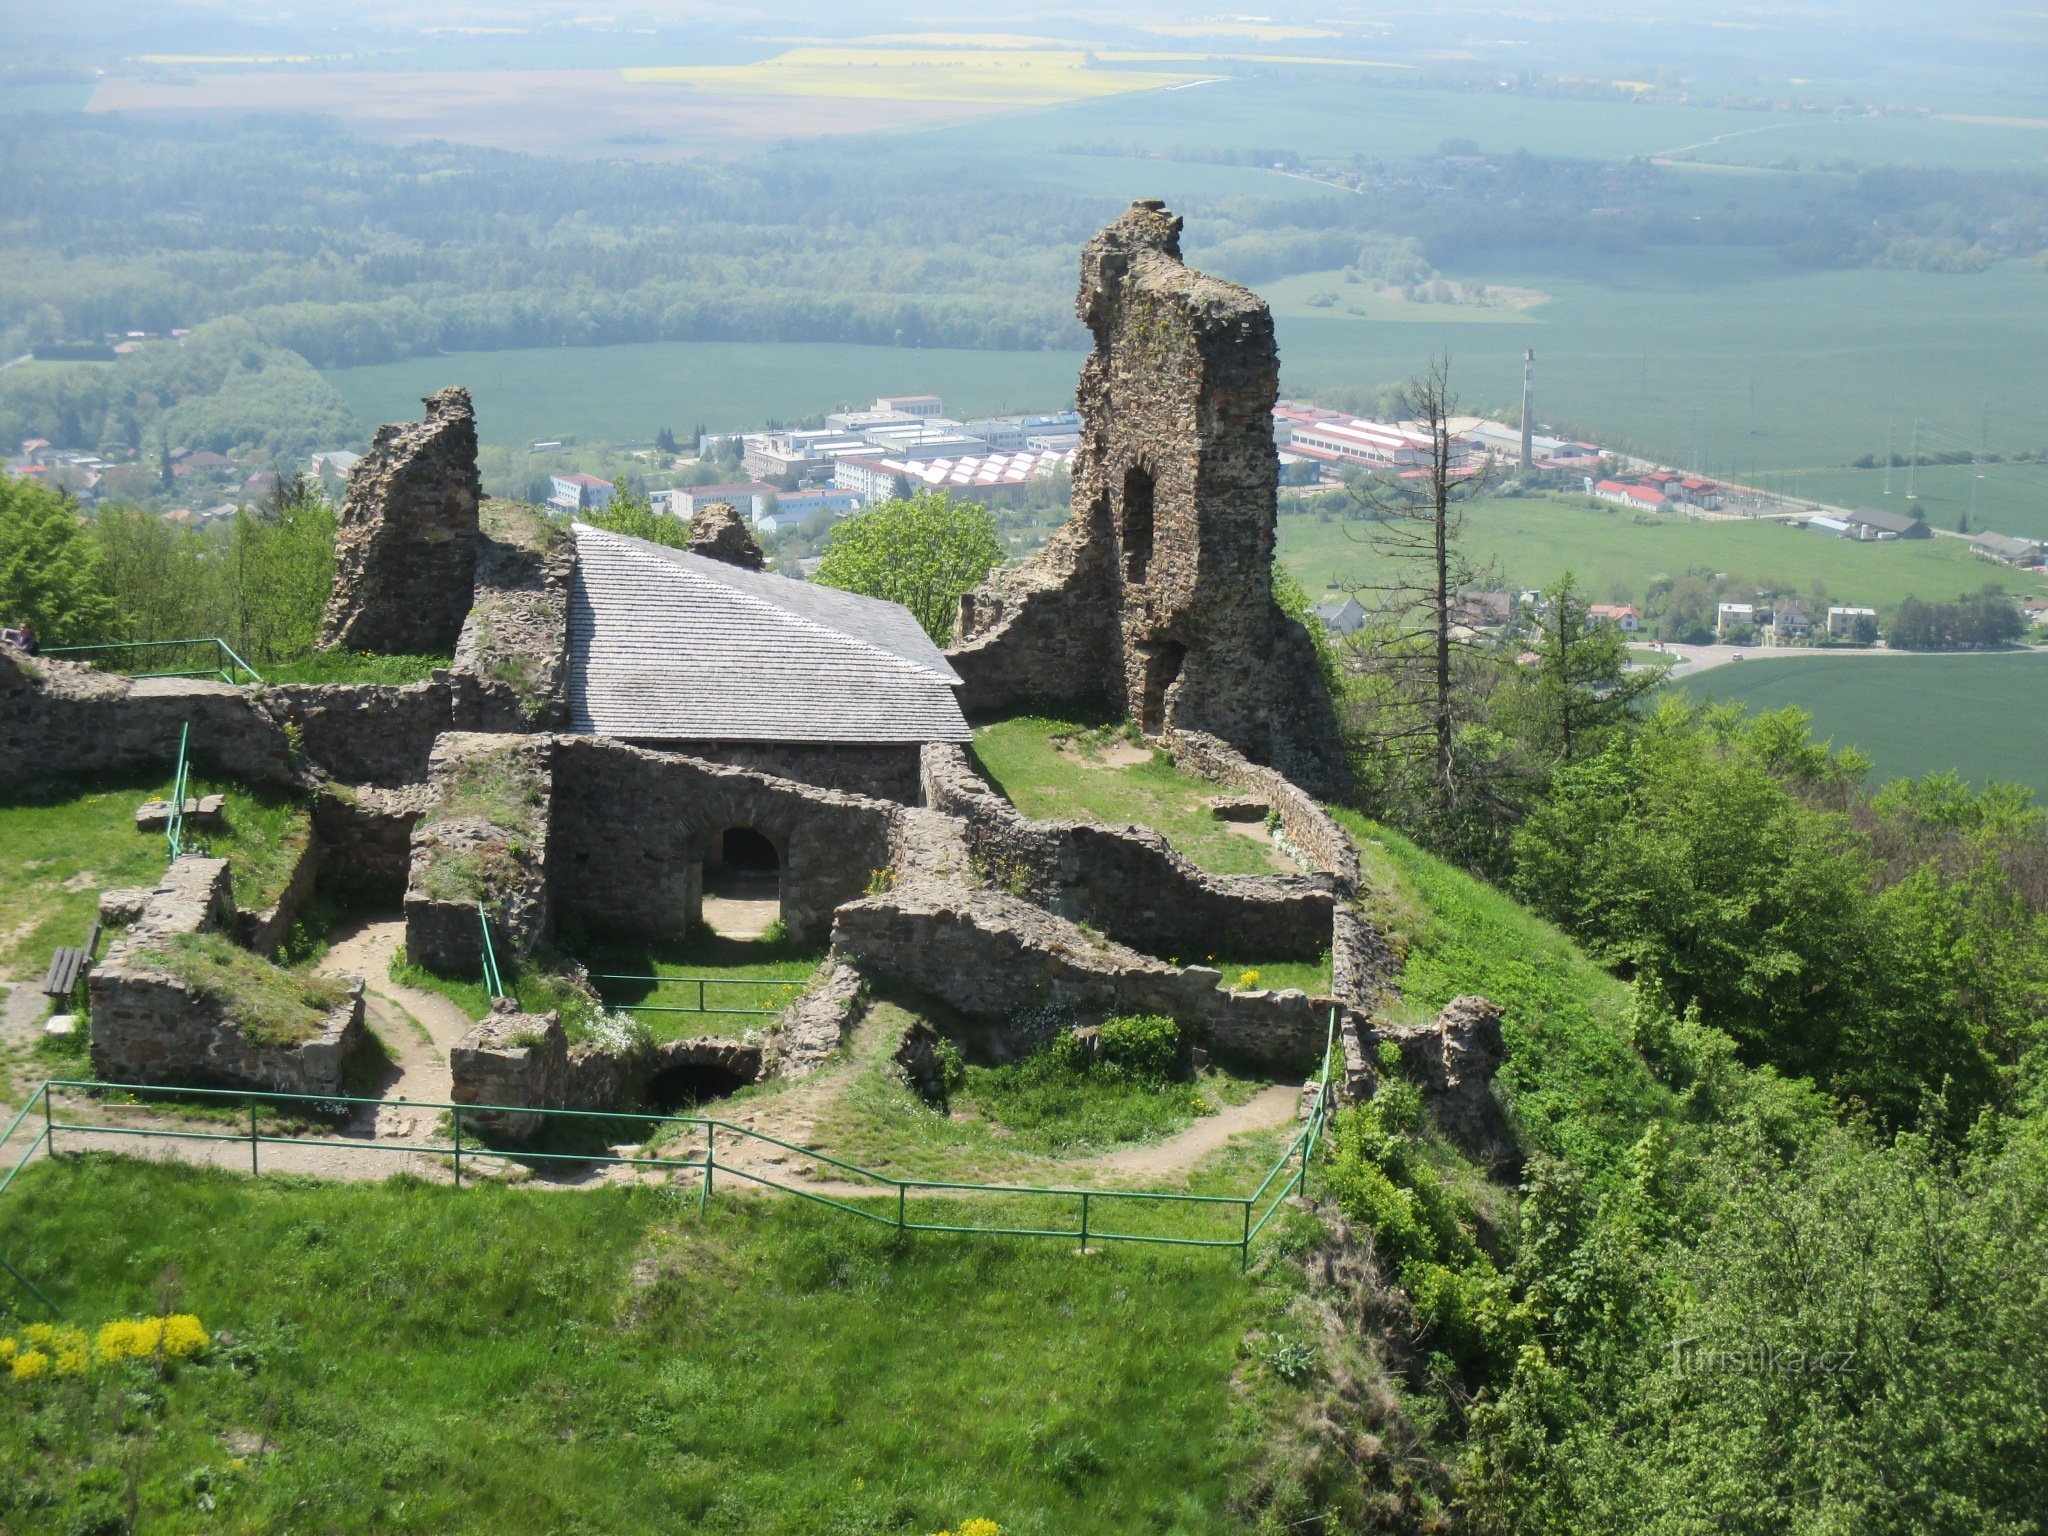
(1734, 616)
(578, 492)
(1842, 622)
(1626, 617)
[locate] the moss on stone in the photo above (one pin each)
(269, 1004)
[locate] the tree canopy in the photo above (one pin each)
(926, 552)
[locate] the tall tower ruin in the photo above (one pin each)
(1156, 596)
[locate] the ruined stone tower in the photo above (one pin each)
(1156, 597)
(406, 549)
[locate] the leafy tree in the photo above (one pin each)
(51, 573)
(926, 552)
(635, 516)
(1583, 688)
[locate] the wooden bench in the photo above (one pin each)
(68, 964)
(203, 810)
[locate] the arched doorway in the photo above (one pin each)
(679, 1089)
(1139, 496)
(742, 884)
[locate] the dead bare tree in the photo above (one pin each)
(1408, 655)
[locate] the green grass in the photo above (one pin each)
(2010, 498)
(1572, 1079)
(353, 667)
(269, 1004)
(1616, 554)
(504, 788)
(534, 990)
(63, 841)
(702, 953)
(1976, 714)
(1070, 1114)
(554, 392)
(1024, 758)
(515, 1361)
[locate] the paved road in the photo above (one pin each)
(1695, 659)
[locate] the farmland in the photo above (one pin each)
(2010, 498)
(1616, 554)
(1912, 714)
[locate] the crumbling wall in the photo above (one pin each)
(633, 827)
(718, 532)
(997, 958)
(69, 719)
(881, 771)
(1127, 882)
(365, 834)
(407, 546)
(485, 840)
(1156, 597)
(363, 733)
(150, 1026)
(512, 659)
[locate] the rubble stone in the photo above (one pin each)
(718, 532)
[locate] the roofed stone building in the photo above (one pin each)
(675, 650)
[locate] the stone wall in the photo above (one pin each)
(72, 720)
(149, 1026)
(1156, 596)
(1127, 882)
(884, 772)
(511, 661)
(366, 837)
(1309, 829)
(262, 931)
(405, 553)
(489, 846)
(633, 826)
(364, 733)
(999, 959)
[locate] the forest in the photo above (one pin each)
(338, 252)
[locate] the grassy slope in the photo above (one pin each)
(1022, 757)
(1912, 714)
(515, 1361)
(64, 841)
(1572, 1079)
(703, 953)
(1534, 540)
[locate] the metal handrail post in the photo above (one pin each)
(1084, 1221)
(253, 1143)
(49, 1130)
(710, 1158)
(902, 1191)
(1244, 1247)
(458, 1148)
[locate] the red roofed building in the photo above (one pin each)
(1640, 497)
(1626, 617)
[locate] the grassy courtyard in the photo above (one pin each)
(612, 1362)
(63, 841)
(1058, 768)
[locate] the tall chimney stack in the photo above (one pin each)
(1528, 421)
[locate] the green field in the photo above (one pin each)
(2010, 498)
(619, 394)
(1979, 715)
(1534, 540)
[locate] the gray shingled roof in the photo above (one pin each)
(665, 645)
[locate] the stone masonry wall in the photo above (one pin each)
(148, 1026)
(511, 661)
(632, 828)
(364, 733)
(366, 836)
(72, 720)
(1127, 882)
(1156, 597)
(881, 772)
(406, 549)
(997, 958)
(488, 845)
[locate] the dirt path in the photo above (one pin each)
(418, 1028)
(1268, 1109)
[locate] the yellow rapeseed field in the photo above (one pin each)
(1012, 77)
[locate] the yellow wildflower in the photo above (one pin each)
(30, 1364)
(8, 1350)
(1247, 981)
(978, 1527)
(72, 1360)
(128, 1339)
(183, 1336)
(38, 1334)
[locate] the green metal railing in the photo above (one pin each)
(128, 656)
(701, 983)
(1232, 1221)
(494, 981)
(181, 784)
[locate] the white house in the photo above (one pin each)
(1734, 616)
(1626, 617)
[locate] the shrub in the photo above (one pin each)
(1141, 1046)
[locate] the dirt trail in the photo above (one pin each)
(418, 1028)
(1268, 1109)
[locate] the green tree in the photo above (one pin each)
(926, 553)
(635, 517)
(1583, 687)
(51, 573)
(282, 556)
